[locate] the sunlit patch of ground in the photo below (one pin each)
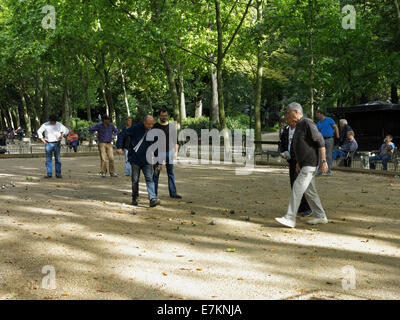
(102, 248)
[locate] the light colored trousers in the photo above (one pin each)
(106, 150)
(305, 184)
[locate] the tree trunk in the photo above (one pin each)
(220, 61)
(258, 87)
(3, 118)
(45, 97)
(182, 102)
(12, 122)
(128, 111)
(32, 102)
(214, 97)
(108, 95)
(198, 112)
(396, 4)
(103, 91)
(85, 83)
(172, 86)
(66, 117)
(311, 37)
(27, 118)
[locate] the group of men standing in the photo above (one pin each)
(131, 142)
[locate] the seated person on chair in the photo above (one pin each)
(385, 153)
(349, 146)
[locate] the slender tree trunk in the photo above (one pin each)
(214, 97)
(172, 86)
(198, 112)
(36, 121)
(396, 5)
(128, 111)
(66, 112)
(12, 122)
(259, 77)
(219, 66)
(45, 97)
(311, 37)
(182, 102)
(27, 118)
(3, 118)
(108, 95)
(85, 82)
(103, 91)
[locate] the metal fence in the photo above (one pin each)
(25, 148)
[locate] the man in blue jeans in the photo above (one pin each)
(137, 155)
(385, 153)
(166, 153)
(53, 132)
(349, 146)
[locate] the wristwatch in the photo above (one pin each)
(323, 161)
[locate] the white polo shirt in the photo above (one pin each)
(52, 133)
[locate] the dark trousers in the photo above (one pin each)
(293, 176)
(148, 175)
(171, 178)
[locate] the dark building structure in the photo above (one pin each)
(371, 122)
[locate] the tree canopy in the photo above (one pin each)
(222, 59)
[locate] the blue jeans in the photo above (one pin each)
(168, 158)
(148, 175)
(337, 153)
(127, 163)
(382, 158)
(171, 178)
(53, 148)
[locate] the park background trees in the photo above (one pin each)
(212, 63)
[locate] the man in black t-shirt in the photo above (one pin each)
(309, 149)
(166, 154)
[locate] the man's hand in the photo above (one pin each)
(324, 167)
(297, 168)
(44, 141)
(159, 167)
(120, 151)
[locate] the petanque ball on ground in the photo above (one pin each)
(192, 212)
(3, 186)
(247, 218)
(232, 211)
(213, 222)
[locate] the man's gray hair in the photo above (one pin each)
(344, 121)
(350, 133)
(295, 106)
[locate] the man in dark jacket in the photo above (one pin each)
(309, 146)
(137, 155)
(343, 129)
(288, 153)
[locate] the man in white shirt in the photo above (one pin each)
(53, 132)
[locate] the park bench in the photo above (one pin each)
(268, 153)
(395, 159)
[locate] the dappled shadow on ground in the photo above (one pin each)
(104, 249)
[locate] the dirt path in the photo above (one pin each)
(103, 249)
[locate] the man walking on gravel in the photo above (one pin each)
(308, 145)
(137, 157)
(53, 132)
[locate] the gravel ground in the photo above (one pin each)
(101, 248)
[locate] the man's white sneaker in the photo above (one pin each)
(317, 221)
(286, 222)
